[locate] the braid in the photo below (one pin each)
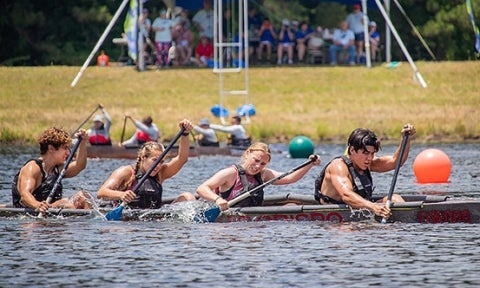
(144, 152)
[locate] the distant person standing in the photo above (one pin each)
(146, 131)
(206, 135)
(163, 38)
(355, 23)
(203, 20)
(99, 133)
(238, 135)
(145, 27)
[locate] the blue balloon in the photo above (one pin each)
(245, 110)
(219, 111)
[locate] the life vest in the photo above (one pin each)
(42, 191)
(362, 184)
(143, 137)
(99, 139)
(149, 194)
(234, 141)
(247, 182)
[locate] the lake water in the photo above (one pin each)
(96, 253)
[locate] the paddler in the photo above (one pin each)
(347, 179)
(36, 179)
(118, 187)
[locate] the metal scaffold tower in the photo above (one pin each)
(230, 41)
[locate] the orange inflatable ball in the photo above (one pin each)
(432, 166)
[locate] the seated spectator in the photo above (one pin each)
(315, 41)
(374, 39)
(183, 42)
(203, 53)
(286, 41)
(238, 135)
(206, 136)
(99, 133)
(146, 131)
(343, 40)
(239, 56)
(267, 37)
(302, 37)
(315, 45)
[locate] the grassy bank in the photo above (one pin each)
(323, 103)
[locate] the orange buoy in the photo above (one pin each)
(432, 166)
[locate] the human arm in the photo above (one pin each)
(80, 161)
(108, 119)
(388, 162)
(338, 185)
(236, 130)
(269, 174)
(112, 187)
(223, 180)
(176, 163)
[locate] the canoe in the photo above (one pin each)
(117, 152)
(294, 207)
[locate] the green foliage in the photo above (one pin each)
(64, 32)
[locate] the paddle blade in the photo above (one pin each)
(210, 215)
(115, 214)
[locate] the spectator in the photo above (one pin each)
(163, 38)
(184, 43)
(374, 39)
(203, 53)
(302, 36)
(254, 25)
(267, 37)
(146, 131)
(238, 135)
(102, 59)
(315, 41)
(203, 20)
(286, 40)
(355, 24)
(145, 27)
(343, 40)
(99, 133)
(206, 136)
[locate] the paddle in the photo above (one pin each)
(116, 214)
(123, 129)
(212, 214)
(62, 173)
(89, 116)
(395, 174)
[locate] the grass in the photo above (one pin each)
(322, 103)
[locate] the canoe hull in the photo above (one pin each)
(417, 209)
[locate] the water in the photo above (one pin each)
(96, 253)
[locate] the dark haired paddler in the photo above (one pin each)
(347, 179)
